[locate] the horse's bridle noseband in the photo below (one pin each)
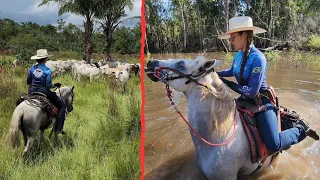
(190, 78)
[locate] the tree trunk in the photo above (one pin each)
(226, 18)
(108, 41)
(200, 25)
(270, 23)
(184, 28)
(88, 24)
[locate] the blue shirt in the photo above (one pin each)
(40, 76)
(254, 73)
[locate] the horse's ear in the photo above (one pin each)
(209, 64)
(72, 88)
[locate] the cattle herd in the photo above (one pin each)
(119, 72)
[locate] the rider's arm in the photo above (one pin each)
(258, 70)
(29, 78)
(49, 84)
(227, 72)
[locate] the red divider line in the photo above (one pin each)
(142, 62)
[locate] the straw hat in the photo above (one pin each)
(41, 53)
(241, 23)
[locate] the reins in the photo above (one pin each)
(157, 73)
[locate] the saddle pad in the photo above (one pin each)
(258, 149)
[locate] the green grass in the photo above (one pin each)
(103, 133)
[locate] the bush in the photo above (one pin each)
(24, 56)
(228, 57)
(314, 41)
(272, 56)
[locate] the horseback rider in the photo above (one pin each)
(249, 68)
(40, 80)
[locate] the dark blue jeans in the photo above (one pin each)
(52, 96)
(268, 127)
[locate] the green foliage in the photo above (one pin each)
(192, 26)
(126, 40)
(228, 57)
(24, 55)
(272, 56)
(314, 41)
(65, 39)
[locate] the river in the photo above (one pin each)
(169, 151)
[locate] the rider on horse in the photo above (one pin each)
(249, 68)
(40, 80)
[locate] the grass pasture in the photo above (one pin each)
(103, 133)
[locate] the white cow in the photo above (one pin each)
(53, 65)
(91, 72)
(121, 78)
(65, 65)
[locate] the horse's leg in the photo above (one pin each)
(41, 138)
(25, 137)
(29, 145)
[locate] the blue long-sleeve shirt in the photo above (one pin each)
(40, 76)
(254, 74)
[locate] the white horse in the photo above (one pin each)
(211, 113)
(30, 119)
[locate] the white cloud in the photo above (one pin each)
(136, 11)
(74, 19)
(44, 9)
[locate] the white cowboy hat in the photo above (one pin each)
(41, 53)
(241, 23)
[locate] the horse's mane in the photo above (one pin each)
(222, 104)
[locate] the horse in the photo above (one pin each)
(212, 114)
(30, 119)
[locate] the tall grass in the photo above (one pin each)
(103, 133)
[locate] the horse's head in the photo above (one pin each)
(180, 73)
(67, 96)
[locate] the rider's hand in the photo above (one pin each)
(57, 85)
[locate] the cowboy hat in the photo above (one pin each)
(41, 53)
(241, 23)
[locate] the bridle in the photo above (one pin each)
(66, 103)
(191, 78)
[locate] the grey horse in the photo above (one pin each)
(30, 119)
(211, 113)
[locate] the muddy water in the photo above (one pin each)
(169, 149)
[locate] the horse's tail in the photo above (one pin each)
(13, 134)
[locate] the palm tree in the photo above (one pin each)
(86, 8)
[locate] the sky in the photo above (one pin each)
(28, 10)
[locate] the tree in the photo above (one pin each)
(8, 29)
(110, 19)
(85, 8)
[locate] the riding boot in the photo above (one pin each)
(309, 132)
(60, 122)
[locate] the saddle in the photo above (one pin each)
(247, 111)
(38, 99)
